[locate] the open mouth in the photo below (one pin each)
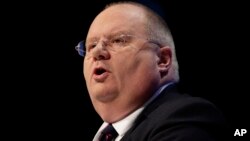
(99, 71)
(100, 74)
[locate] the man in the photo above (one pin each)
(131, 72)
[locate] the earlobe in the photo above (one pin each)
(165, 59)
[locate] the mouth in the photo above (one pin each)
(99, 71)
(100, 74)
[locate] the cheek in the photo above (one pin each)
(136, 69)
(86, 70)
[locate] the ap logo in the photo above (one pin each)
(240, 132)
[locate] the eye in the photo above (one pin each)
(119, 40)
(90, 46)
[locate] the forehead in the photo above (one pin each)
(125, 17)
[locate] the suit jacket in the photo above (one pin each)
(178, 117)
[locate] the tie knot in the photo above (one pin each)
(108, 134)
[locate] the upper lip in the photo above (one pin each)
(99, 68)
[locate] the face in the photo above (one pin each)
(120, 80)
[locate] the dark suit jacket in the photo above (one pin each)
(178, 117)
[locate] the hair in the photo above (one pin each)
(157, 30)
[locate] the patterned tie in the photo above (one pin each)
(108, 134)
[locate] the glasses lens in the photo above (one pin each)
(80, 48)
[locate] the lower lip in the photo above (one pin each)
(101, 77)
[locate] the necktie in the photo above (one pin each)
(108, 134)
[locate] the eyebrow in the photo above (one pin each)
(112, 34)
(121, 32)
(91, 39)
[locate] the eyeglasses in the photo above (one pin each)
(114, 43)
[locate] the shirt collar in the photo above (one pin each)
(123, 125)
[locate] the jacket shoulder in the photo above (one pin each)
(177, 117)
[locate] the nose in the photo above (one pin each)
(101, 52)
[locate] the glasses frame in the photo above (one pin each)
(81, 47)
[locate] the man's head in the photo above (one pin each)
(129, 55)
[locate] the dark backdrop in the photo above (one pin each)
(47, 93)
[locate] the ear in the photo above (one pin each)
(165, 60)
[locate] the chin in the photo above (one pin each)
(106, 97)
(103, 95)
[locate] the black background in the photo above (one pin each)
(46, 93)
